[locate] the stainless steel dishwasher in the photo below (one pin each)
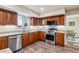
(14, 42)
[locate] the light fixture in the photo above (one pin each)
(41, 9)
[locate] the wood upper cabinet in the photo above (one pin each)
(44, 21)
(25, 40)
(13, 18)
(60, 20)
(35, 21)
(8, 17)
(59, 39)
(3, 42)
(1, 17)
(31, 21)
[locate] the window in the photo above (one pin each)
(22, 20)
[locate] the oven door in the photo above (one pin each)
(50, 39)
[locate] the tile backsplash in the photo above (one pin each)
(7, 28)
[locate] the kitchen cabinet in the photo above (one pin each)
(41, 36)
(59, 39)
(44, 21)
(36, 36)
(32, 37)
(40, 22)
(8, 17)
(60, 20)
(35, 21)
(32, 21)
(13, 18)
(25, 40)
(1, 17)
(3, 42)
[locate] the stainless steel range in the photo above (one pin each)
(50, 35)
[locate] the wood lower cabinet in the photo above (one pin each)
(3, 42)
(36, 37)
(25, 40)
(59, 39)
(31, 37)
(41, 35)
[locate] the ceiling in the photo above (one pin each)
(48, 8)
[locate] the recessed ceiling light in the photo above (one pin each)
(41, 9)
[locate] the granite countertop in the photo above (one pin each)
(60, 31)
(7, 50)
(9, 33)
(15, 32)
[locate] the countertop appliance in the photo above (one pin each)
(14, 42)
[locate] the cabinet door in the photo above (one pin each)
(35, 21)
(44, 21)
(25, 40)
(40, 22)
(31, 38)
(5, 17)
(31, 21)
(60, 20)
(13, 18)
(42, 36)
(3, 42)
(36, 36)
(10, 18)
(59, 39)
(1, 17)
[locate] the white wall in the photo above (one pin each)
(24, 11)
(19, 10)
(73, 15)
(54, 12)
(72, 12)
(74, 18)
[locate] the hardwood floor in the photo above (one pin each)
(42, 47)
